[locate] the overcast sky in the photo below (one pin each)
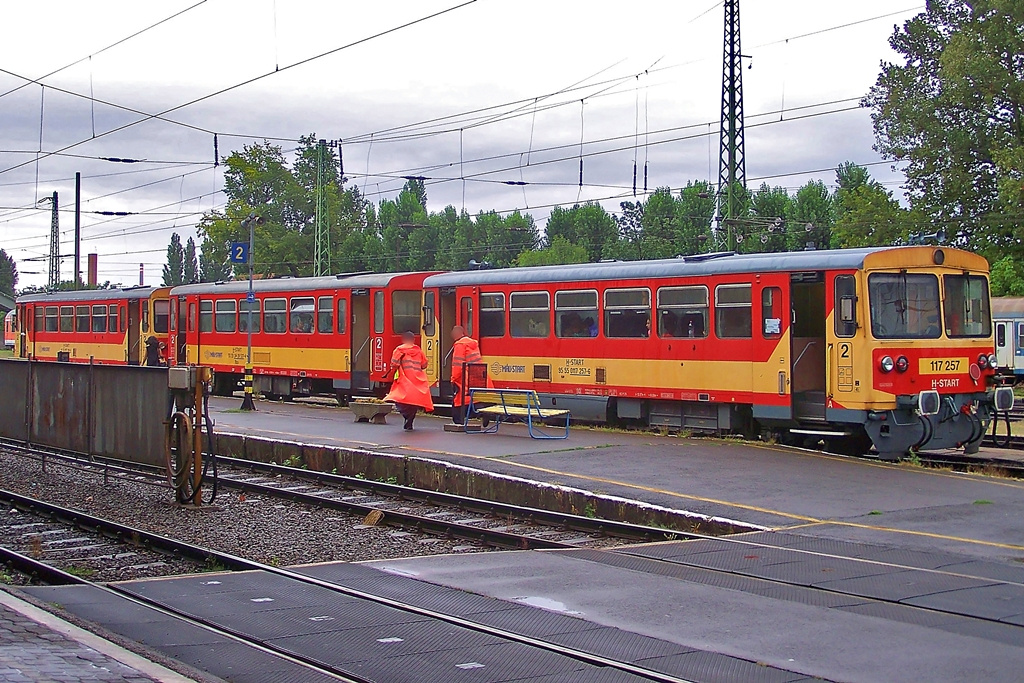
(643, 78)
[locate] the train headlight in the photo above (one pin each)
(887, 364)
(983, 361)
(902, 364)
(992, 360)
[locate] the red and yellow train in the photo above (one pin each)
(890, 347)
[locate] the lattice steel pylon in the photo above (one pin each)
(53, 281)
(732, 168)
(322, 236)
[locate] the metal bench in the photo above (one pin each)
(512, 405)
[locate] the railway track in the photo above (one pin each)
(489, 523)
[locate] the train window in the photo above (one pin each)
(224, 317)
(342, 315)
(405, 311)
(302, 315)
(904, 306)
(173, 316)
(161, 316)
(1001, 335)
(966, 306)
(67, 318)
(51, 318)
(275, 316)
(243, 316)
(82, 322)
(732, 312)
(145, 317)
(771, 312)
(99, 318)
(576, 314)
(845, 313)
(429, 321)
(325, 315)
(112, 319)
(205, 316)
(191, 317)
(627, 313)
(467, 314)
(123, 318)
(683, 312)
(1020, 337)
(378, 312)
(492, 315)
(529, 314)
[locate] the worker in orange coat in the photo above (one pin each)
(465, 352)
(411, 390)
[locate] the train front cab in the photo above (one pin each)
(910, 351)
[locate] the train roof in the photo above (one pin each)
(1008, 307)
(88, 295)
(721, 263)
(291, 284)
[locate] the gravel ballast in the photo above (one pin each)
(259, 528)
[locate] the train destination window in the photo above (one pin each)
(205, 316)
(161, 316)
(492, 315)
(966, 306)
(99, 318)
(51, 318)
(224, 320)
(732, 312)
(342, 315)
(378, 311)
(405, 311)
(845, 313)
(325, 315)
(771, 312)
(67, 318)
(243, 316)
(302, 315)
(904, 305)
(275, 316)
(627, 313)
(683, 312)
(529, 314)
(82, 322)
(576, 314)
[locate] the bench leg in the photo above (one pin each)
(538, 434)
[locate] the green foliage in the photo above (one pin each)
(867, 215)
(8, 274)
(953, 111)
(588, 226)
(812, 214)
(175, 262)
(1006, 277)
(560, 252)
(190, 266)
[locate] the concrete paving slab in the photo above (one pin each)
(814, 641)
(829, 496)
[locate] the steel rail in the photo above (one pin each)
(242, 564)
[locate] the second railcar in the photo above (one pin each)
(1008, 320)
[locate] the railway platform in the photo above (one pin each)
(825, 496)
(36, 645)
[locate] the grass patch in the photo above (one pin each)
(6, 353)
(875, 512)
(80, 572)
(982, 502)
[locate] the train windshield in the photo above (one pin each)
(904, 306)
(966, 306)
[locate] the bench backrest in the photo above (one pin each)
(520, 398)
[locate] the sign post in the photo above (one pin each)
(242, 253)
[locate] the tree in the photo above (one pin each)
(560, 252)
(190, 266)
(8, 274)
(770, 207)
(175, 262)
(954, 113)
(1007, 277)
(811, 217)
(587, 225)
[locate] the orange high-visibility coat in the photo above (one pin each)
(465, 352)
(411, 386)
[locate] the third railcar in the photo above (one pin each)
(888, 345)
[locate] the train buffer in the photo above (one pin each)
(513, 405)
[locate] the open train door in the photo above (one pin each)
(807, 346)
(360, 338)
(446, 320)
(134, 336)
(25, 318)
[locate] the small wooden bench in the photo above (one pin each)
(512, 405)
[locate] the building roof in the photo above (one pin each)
(6, 302)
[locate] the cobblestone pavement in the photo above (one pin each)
(30, 652)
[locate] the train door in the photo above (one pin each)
(771, 313)
(360, 336)
(1004, 345)
(446, 320)
(25, 318)
(134, 337)
(807, 346)
(429, 330)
